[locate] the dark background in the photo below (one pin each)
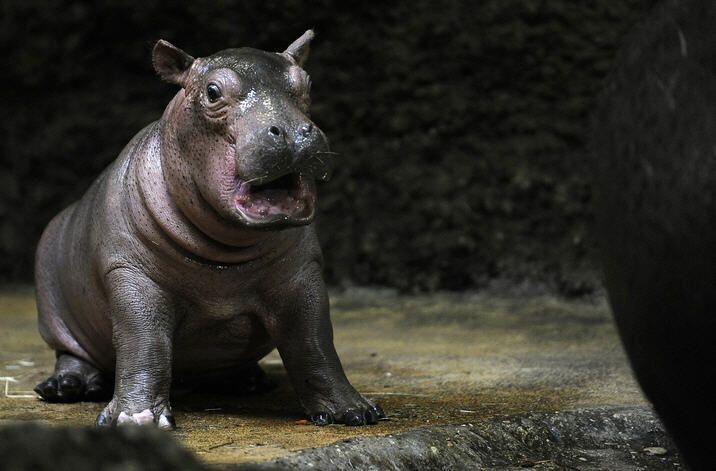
(462, 125)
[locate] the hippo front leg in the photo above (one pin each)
(142, 337)
(303, 333)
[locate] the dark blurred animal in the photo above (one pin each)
(655, 143)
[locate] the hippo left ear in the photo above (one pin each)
(298, 50)
(171, 63)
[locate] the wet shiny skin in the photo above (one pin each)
(157, 273)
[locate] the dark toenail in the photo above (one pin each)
(379, 411)
(41, 390)
(170, 419)
(371, 416)
(47, 389)
(70, 383)
(102, 419)
(51, 384)
(322, 418)
(353, 418)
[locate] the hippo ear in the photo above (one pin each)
(298, 50)
(171, 63)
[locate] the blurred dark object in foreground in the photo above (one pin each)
(656, 150)
(31, 446)
(461, 125)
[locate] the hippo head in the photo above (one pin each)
(238, 145)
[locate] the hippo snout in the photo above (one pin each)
(312, 156)
(304, 131)
(276, 172)
(301, 143)
(279, 149)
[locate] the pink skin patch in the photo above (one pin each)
(140, 418)
(291, 197)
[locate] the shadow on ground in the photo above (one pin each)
(430, 361)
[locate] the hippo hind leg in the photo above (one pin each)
(74, 380)
(245, 380)
(252, 380)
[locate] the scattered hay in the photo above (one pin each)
(18, 394)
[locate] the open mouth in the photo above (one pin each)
(289, 198)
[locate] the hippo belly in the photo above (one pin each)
(208, 345)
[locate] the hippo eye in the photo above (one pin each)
(213, 92)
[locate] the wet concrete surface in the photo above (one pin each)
(429, 360)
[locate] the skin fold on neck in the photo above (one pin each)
(160, 221)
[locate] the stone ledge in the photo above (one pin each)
(623, 438)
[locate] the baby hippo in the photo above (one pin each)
(194, 254)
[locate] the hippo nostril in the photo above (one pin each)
(306, 129)
(275, 131)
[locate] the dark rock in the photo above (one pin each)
(39, 447)
(588, 439)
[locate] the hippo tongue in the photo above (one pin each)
(276, 190)
(289, 196)
(273, 197)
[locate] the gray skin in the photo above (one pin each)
(193, 255)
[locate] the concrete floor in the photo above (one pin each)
(428, 360)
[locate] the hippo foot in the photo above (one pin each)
(74, 380)
(361, 412)
(160, 416)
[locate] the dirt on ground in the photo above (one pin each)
(428, 360)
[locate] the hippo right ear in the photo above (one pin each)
(171, 63)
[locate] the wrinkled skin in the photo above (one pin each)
(193, 255)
